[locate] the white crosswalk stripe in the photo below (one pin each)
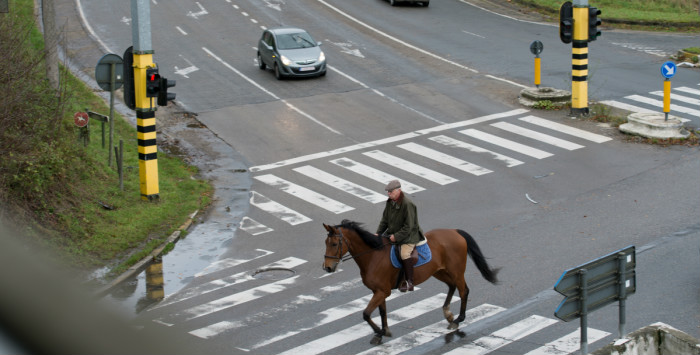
(375, 174)
(303, 193)
(341, 184)
(506, 143)
(445, 159)
(660, 105)
(410, 167)
(276, 209)
(404, 320)
(572, 131)
(451, 142)
(525, 132)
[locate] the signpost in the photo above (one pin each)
(109, 74)
(536, 48)
(81, 120)
(594, 285)
(668, 70)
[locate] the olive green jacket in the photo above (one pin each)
(401, 219)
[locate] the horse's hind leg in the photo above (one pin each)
(446, 306)
(463, 295)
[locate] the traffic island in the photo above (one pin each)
(654, 125)
(654, 339)
(531, 97)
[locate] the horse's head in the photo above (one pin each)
(336, 247)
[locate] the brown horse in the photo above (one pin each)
(449, 248)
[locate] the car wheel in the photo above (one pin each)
(261, 64)
(278, 74)
(392, 2)
(323, 73)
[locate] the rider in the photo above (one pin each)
(400, 223)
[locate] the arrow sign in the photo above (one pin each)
(668, 70)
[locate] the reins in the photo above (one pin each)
(349, 256)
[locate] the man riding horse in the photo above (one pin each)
(400, 223)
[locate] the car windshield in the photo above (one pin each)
(295, 41)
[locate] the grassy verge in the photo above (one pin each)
(662, 15)
(66, 194)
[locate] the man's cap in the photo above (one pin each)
(393, 184)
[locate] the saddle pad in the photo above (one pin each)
(424, 255)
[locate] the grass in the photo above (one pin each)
(669, 15)
(71, 202)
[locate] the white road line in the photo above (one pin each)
(361, 330)
(341, 184)
(505, 143)
(237, 298)
(568, 344)
(216, 329)
(278, 210)
(238, 278)
(597, 138)
(375, 174)
(389, 140)
(677, 97)
(451, 142)
(445, 159)
(412, 168)
(557, 142)
(229, 263)
(305, 194)
(330, 315)
(660, 105)
(254, 83)
(688, 90)
(431, 332)
(253, 227)
(504, 336)
(628, 107)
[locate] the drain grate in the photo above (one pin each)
(273, 273)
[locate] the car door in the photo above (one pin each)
(267, 51)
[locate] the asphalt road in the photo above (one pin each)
(398, 78)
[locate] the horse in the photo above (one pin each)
(449, 249)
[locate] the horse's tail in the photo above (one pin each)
(475, 252)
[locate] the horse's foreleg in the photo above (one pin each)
(378, 300)
(385, 324)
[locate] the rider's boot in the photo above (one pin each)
(408, 270)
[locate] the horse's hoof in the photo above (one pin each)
(376, 340)
(453, 326)
(387, 333)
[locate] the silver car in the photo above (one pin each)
(290, 51)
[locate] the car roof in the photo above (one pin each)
(285, 30)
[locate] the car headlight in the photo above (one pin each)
(285, 60)
(322, 57)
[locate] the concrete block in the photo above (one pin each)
(655, 339)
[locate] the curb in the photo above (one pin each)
(143, 263)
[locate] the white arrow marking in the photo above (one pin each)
(274, 6)
(669, 70)
(202, 11)
(346, 49)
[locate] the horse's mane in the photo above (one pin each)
(368, 237)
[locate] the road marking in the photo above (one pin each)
(445, 159)
(660, 104)
(568, 344)
(360, 330)
(305, 194)
(202, 11)
(688, 90)
(627, 107)
(505, 143)
(278, 210)
(341, 184)
(597, 138)
(676, 97)
(431, 332)
(388, 140)
(375, 174)
(451, 142)
(253, 227)
(564, 144)
(412, 168)
(504, 336)
(229, 263)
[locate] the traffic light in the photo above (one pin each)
(593, 23)
(163, 95)
(152, 82)
(566, 22)
(129, 94)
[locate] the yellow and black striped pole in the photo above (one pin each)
(146, 128)
(145, 105)
(579, 60)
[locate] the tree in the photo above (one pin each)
(50, 42)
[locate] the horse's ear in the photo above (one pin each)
(328, 228)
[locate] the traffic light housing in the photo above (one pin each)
(129, 94)
(593, 23)
(566, 22)
(152, 82)
(163, 95)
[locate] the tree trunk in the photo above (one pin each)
(50, 42)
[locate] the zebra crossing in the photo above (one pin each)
(451, 146)
(684, 103)
(341, 324)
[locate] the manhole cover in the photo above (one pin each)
(275, 273)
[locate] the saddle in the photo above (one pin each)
(421, 255)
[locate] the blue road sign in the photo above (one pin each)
(668, 70)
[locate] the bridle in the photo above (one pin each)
(338, 255)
